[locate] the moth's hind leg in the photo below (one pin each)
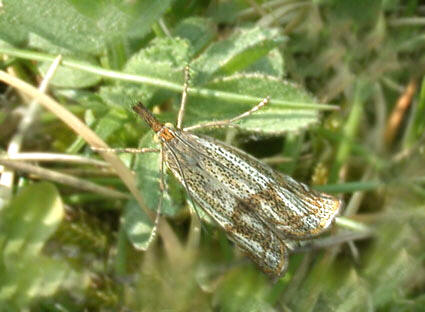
(229, 122)
(161, 198)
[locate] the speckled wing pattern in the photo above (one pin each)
(257, 207)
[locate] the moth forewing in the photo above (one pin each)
(290, 208)
(311, 212)
(293, 209)
(198, 173)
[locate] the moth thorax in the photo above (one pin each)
(165, 134)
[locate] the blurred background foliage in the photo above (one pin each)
(64, 248)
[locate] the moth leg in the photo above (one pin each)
(184, 97)
(125, 150)
(189, 193)
(195, 228)
(229, 122)
(159, 207)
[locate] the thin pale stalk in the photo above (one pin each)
(160, 83)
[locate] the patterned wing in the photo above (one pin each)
(203, 183)
(289, 208)
(295, 209)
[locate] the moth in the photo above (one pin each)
(260, 209)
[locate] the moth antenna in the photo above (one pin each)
(147, 116)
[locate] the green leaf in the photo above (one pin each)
(110, 123)
(30, 219)
(271, 119)
(125, 94)
(29, 279)
(271, 64)
(137, 226)
(78, 25)
(26, 224)
(242, 289)
(58, 22)
(66, 77)
(164, 58)
(161, 59)
(240, 50)
(37, 42)
(145, 13)
(11, 32)
(198, 31)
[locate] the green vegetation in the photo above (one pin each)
(347, 114)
